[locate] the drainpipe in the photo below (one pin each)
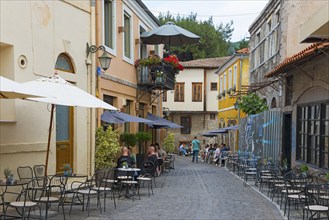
(204, 96)
(92, 88)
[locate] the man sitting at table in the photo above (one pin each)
(125, 159)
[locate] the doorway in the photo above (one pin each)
(64, 137)
(286, 138)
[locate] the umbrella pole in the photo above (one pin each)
(49, 136)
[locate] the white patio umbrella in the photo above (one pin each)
(64, 93)
(10, 89)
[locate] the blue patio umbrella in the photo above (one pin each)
(159, 122)
(109, 118)
(124, 117)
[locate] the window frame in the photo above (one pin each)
(235, 75)
(186, 129)
(127, 12)
(196, 91)
(212, 87)
(113, 50)
(311, 130)
(178, 98)
(230, 82)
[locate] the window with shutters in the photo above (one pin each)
(196, 92)
(179, 92)
(186, 123)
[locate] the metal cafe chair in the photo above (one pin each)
(25, 173)
(313, 204)
(25, 201)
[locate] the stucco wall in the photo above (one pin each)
(37, 30)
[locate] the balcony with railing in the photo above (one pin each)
(156, 77)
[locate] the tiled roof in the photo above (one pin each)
(243, 50)
(297, 57)
(205, 63)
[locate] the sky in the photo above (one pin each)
(241, 12)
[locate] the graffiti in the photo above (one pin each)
(261, 134)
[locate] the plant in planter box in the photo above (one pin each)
(304, 169)
(327, 177)
(223, 93)
(143, 137)
(150, 61)
(128, 138)
(107, 148)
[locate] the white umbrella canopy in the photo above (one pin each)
(10, 89)
(63, 93)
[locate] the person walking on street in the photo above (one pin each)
(195, 148)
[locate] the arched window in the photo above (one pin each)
(273, 103)
(64, 63)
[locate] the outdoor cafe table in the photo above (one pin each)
(128, 174)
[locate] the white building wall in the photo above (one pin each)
(187, 76)
(40, 31)
(212, 103)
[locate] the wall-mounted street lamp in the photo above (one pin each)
(104, 59)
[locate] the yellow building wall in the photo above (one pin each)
(226, 109)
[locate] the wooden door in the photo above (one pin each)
(64, 137)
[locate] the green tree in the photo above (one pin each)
(244, 43)
(169, 143)
(252, 104)
(214, 40)
(129, 139)
(107, 148)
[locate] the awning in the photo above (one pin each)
(109, 116)
(208, 134)
(218, 131)
(158, 122)
(235, 127)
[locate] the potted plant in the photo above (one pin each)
(327, 177)
(173, 61)
(107, 148)
(304, 169)
(234, 88)
(219, 96)
(169, 143)
(285, 164)
(223, 93)
(142, 138)
(129, 139)
(8, 175)
(159, 76)
(67, 169)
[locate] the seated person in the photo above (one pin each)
(153, 157)
(125, 159)
(182, 149)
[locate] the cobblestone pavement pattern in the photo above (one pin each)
(190, 191)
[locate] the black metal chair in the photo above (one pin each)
(25, 172)
(313, 204)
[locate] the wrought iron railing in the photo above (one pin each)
(156, 77)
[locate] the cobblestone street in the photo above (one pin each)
(190, 191)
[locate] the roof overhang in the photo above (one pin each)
(316, 28)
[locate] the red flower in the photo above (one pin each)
(173, 60)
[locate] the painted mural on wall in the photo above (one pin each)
(260, 134)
